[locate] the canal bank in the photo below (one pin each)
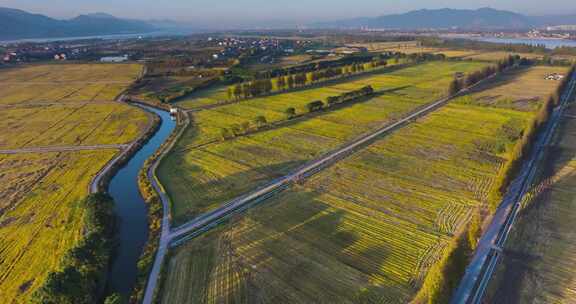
(120, 179)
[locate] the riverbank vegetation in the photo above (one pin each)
(84, 271)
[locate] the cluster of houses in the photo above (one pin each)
(234, 46)
(33, 52)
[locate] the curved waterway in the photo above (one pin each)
(131, 209)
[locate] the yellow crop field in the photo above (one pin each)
(54, 105)
(65, 83)
(69, 125)
(365, 230)
(522, 89)
(40, 217)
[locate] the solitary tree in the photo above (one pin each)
(315, 106)
(245, 127)
(260, 121)
(236, 129)
(290, 113)
(455, 87)
(226, 133)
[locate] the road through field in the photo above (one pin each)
(174, 237)
(483, 264)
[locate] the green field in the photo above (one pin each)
(539, 257)
(200, 179)
(40, 212)
(366, 229)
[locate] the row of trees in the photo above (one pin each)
(473, 78)
(261, 122)
(266, 86)
(325, 64)
(238, 129)
(85, 267)
(331, 101)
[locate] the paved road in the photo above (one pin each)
(62, 149)
(165, 230)
(486, 256)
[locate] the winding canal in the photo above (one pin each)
(131, 209)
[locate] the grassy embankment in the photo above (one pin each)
(200, 178)
(367, 229)
(41, 216)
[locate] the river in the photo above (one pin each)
(132, 210)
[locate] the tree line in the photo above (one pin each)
(260, 122)
(524, 146)
(357, 59)
(262, 87)
(83, 277)
(463, 82)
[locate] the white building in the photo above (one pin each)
(114, 59)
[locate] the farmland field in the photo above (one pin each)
(200, 178)
(539, 257)
(76, 124)
(366, 229)
(54, 105)
(520, 89)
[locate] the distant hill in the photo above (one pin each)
(483, 18)
(18, 24)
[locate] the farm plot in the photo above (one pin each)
(40, 215)
(201, 178)
(65, 83)
(539, 257)
(428, 81)
(363, 231)
(70, 124)
(522, 89)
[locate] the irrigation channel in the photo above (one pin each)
(131, 209)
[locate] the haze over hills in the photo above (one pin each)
(18, 24)
(483, 18)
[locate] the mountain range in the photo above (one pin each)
(483, 18)
(18, 24)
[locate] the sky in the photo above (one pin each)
(214, 12)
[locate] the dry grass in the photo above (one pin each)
(523, 89)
